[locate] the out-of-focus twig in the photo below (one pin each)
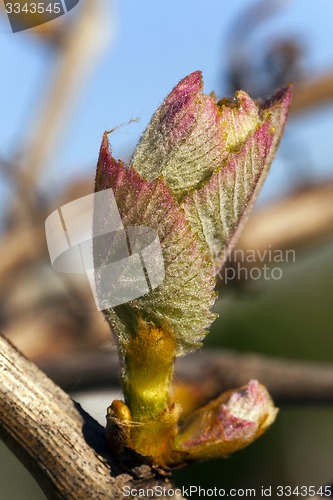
(297, 223)
(309, 94)
(25, 244)
(303, 218)
(288, 381)
(262, 67)
(281, 61)
(17, 249)
(83, 43)
(214, 371)
(26, 191)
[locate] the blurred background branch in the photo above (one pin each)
(78, 50)
(213, 371)
(312, 93)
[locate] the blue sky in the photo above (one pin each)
(154, 45)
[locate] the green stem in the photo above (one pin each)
(146, 379)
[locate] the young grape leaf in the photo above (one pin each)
(182, 303)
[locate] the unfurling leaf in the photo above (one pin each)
(184, 141)
(213, 156)
(219, 209)
(193, 179)
(194, 176)
(181, 304)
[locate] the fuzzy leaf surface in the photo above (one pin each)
(181, 303)
(183, 142)
(217, 211)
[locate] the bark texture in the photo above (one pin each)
(60, 444)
